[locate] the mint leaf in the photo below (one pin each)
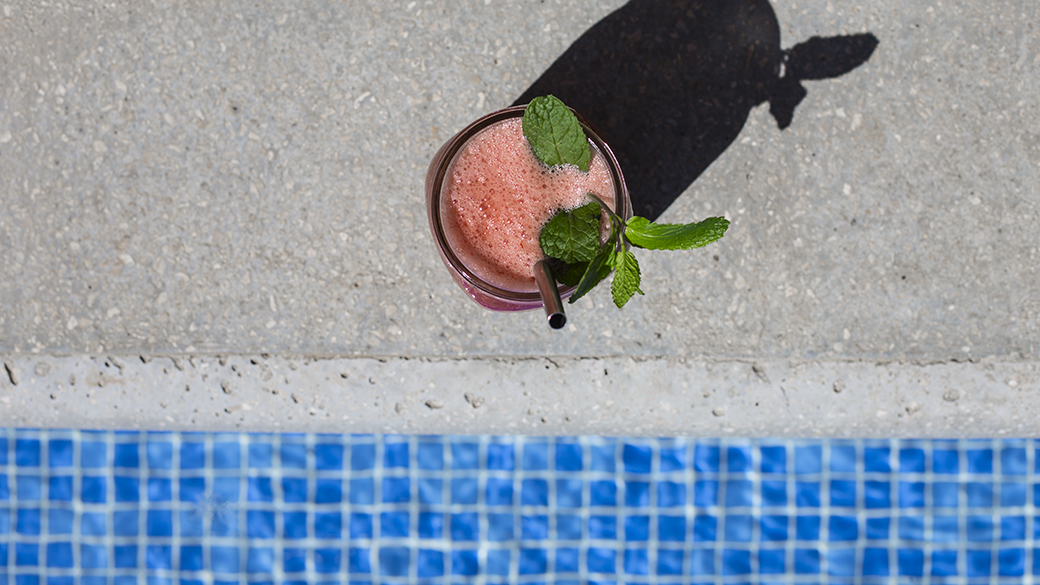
(598, 268)
(572, 235)
(570, 274)
(571, 238)
(626, 277)
(643, 233)
(555, 133)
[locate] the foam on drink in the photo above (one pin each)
(498, 196)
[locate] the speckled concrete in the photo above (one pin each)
(246, 179)
(542, 396)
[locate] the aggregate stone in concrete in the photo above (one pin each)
(245, 178)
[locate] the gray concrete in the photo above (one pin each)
(509, 395)
(244, 179)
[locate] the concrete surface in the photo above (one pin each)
(243, 179)
(530, 395)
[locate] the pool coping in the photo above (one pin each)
(615, 396)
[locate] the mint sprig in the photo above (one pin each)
(573, 236)
(555, 134)
(613, 254)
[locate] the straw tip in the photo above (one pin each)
(550, 294)
(557, 320)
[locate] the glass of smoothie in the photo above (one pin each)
(488, 198)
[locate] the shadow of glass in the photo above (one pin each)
(669, 84)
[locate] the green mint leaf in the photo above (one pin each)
(570, 274)
(597, 269)
(572, 235)
(643, 233)
(555, 133)
(626, 278)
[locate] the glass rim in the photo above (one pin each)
(621, 201)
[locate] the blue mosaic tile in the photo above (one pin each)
(944, 563)
(107, 507)
(430, 456)
(159, 455)
(398, 490)
(59, 521)
(362, 457)
(672, 459)
(738, 459)
(843, 458)
(843, 528)
(93, 524)
(911, 461)
(535, 456)
(877, 459)
(773, 528)
(1013, 461)
(28, 521)
(637, 494)
(774, 459)
(979, 460)
(1013, 528)
(501, 527)
(501, 457)
(774, 493)
(705, 528)
(946, 529)
(361, 491)
(604, 458)
(327, 491)
(807, 528)
(637, 458)
(807, 494)
(911, 494)
(159, 523)
(843, 493)
(28, 487)
(911, 528)
(394, 455)
(671, 528)
(1013, 494)
(877, 494)
(59, 488)
(603, 527)
(808, 459)
(979, 494)
(946, 461)
(261, 455)
(93, 454)
(637, 528)
(465, 455)
(160, 489)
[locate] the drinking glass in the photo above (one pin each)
(484, 293)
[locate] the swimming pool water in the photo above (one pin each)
(149, 507)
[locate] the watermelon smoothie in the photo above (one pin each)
(488, 198)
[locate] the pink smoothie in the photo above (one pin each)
(497, 196)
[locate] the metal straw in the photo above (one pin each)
(547, 288)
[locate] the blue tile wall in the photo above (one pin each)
(184, 508)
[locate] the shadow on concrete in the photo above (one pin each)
(670, 83)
